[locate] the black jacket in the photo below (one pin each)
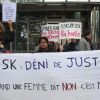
(7, 37)
(71, 47)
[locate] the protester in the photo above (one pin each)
(66, 45)
(6, 36)
(71, 46)
(2, 48)
(44, 45)
(59, 47)
(85, 42)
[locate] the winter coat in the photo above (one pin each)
(71, 47)
(84, 44)
(49, 49)
(7, 37)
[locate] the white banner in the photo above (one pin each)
(51, 31)
(70, 30)
(50, 76)
(8, 11)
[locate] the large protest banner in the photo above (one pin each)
(50, 76)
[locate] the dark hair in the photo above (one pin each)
(45, 38)
(2, 27)
(86, 32)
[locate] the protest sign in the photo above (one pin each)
(51, 31)
(72, 30)
(65, 30)
(8, 11)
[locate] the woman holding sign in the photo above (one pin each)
(6, 36)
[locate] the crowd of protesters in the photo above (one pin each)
(84, 44)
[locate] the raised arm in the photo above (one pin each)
(10, 25)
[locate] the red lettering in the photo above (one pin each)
(73, 34)
(63, 33)
(68, 86)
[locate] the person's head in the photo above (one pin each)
(88, 34)
(43, 42)
(73, 40)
